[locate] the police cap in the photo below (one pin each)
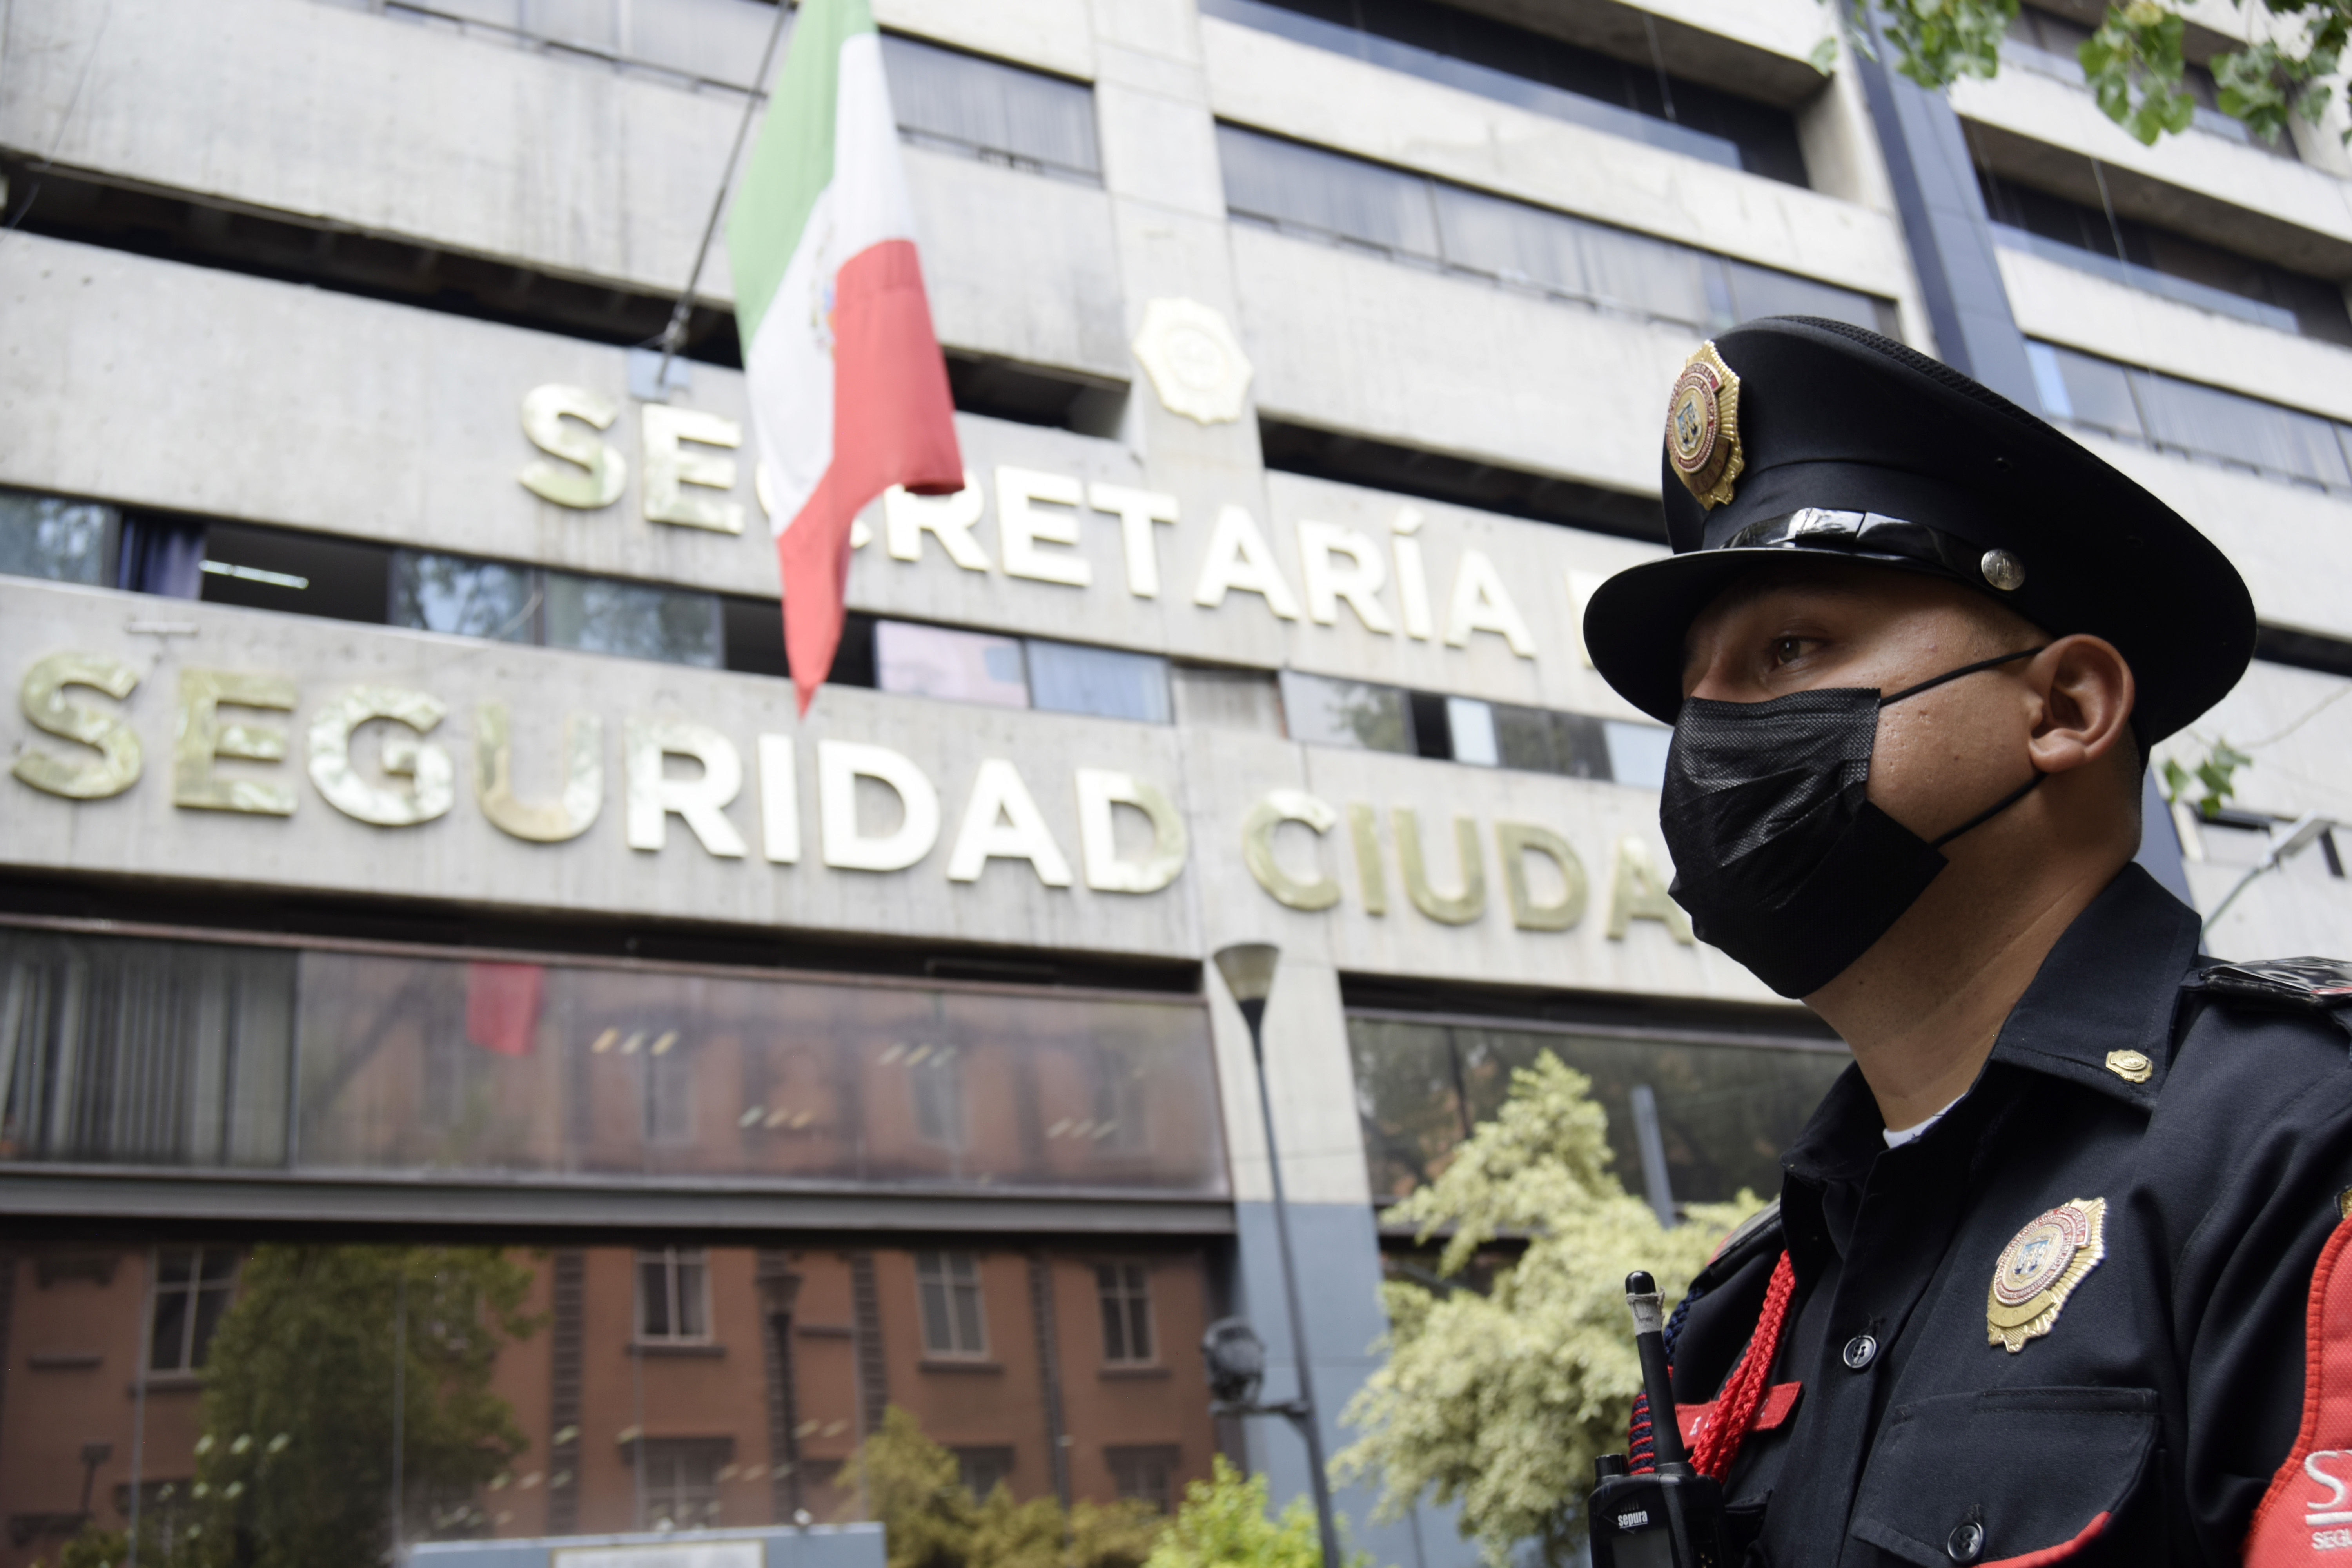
(1793, 436)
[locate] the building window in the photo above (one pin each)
(948, 1286)
(982, 1470)
(681, 1482)
(1329, 197)
(1145, 1474)
(954, 102)
(668, 1085)
(935, 1081)
(194, 1286)
(1539, 73)
(1723, 1106)
(600, 615)
(1067, 678)
(1323, 712)
(1125, 1290)
(674, 1296)
(936, 661)
(456, 593)
(50, 537)
(2201, 423)
(464, 597)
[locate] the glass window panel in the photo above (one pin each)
(1654, 277)
(970, 1340)
(55, 539)
(1524, 740)
(600, 615)
(1066, 677)
(1409, 1099)
(1289, 183)
(653, 1296)
(783, 1080)
(988, 107)
(1323, 712)
(2049, 380)
(1583, 744)
(1511, 241)
(982, 1470)
(938, 1327)
(1724, 1111)
(1762, 292)
(937, 661)
(2238, 429)
(2098, 392)
(1114, 1316)
(456, 593)
(168, 1343)
(1637, 752)
(144, 1053)
(693, 1295)
(212, 1299)
(1471, 725)
(1144, 1475)
(560, 1437)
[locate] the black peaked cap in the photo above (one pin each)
(1857, 448)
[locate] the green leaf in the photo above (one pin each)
(1824, 55)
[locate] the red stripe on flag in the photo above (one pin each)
(893, 424)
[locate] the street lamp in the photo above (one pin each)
(2300, 838)
(1236, 1358)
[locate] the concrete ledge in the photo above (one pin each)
(104, 1196)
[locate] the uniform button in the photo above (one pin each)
(1860, 1352)
(1965, 1544)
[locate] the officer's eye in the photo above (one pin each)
(1788, 651)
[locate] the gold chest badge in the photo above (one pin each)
(1703, 427)
(2040, 1269)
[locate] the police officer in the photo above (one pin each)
(2038, 1284)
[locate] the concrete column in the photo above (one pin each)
(1949, 230)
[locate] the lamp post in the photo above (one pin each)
(1235, 1357)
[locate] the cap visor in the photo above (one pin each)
(1637, 622)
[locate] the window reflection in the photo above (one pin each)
(646, 1073)
(53, 538)
(576, 1390)
(1724, 1111)
(192, 1287)
(955, 1323)
(466, 597)
(162, 1053)
(602, 614)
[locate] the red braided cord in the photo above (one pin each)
(1736, 1407)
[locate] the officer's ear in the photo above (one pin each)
(2086, 693)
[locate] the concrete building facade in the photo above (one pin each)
(411, 839)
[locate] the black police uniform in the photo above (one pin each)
(2150, 1163)
(2169, 1389)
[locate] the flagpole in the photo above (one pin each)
(674, 334)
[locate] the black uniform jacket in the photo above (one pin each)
(2169, 1387)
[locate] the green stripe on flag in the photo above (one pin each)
(791, 163)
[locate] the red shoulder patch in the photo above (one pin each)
(2306, 1514)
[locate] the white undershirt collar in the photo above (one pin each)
(1898, 1136)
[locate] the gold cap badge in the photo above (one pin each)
(2040, 1269)
(1703, 427)
(2132, 1066)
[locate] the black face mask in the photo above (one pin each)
(1780, 856)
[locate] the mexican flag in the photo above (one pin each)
(849, 392)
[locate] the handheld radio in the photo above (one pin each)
(1671, 1516)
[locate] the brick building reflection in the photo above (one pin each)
(670, 1386)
